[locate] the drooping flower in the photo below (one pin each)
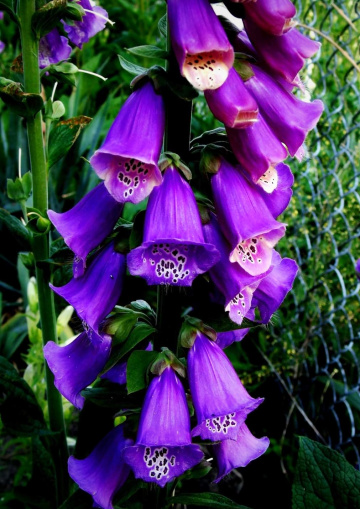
(289, 118)
(245, 220)
(357, 268)
(94, 294)
(220, 400)
(225, 339)
(89, 222)
(76, 365)
(104, 471)
(117, 373)
(232, 454)
(53, 48)
(273, 16)
(231, 103)
(163, 448)
(173, 250)
(276, 189)
(127, 160)
(200, 44)
(93, 21)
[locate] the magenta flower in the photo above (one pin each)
(276, 189)
(245, 219)
(163, 448)
(220, 400)
(53, 48)
(104, 471)
(225, 339)
(238, 453)
(200, 44)
(94, 294)
(89, 222)
(273, 16)
(173, 250)
(127, 160)
(76, 365)
(2, 46)
(93, 21)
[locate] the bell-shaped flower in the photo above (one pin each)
(53, 48)
(231, 103)
(289, 118)
(127, 160)
(163, 448)
(173, 250)
(256, 148)
(201, 47)
(227, 338)
(76, 365)
(275, 187)
(104, 471)
(245, 219)
(94, 294)
(89, 222)
(237, 453)
(273, 16)
(220, 400)
(93, 21)
(284, 55)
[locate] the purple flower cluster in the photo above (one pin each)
(264, 122)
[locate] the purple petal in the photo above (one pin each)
(225, 339)
(162, 464)
(238, 453)
(2, 46)
(87, 224)
(174, 250)
(76, 365)
(273, 16)
(104, 471)
(53, 48)
(95, 293)
(91, 24)
(232, 104)
(117, 373)
(200, 44)
(357, 268)
(276, 189)
(127, 160)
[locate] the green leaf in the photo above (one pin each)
(162, 26)
(137, 370)
(324, 479)
(121, 324)
(206, 500)
(63, 136)
(149, 51)
(15, 227)
(130, 67)
(136, 235)
(23, 104)
(49, 15)
(12, 334)
(20, 412)
(9, 7)
(20, 188)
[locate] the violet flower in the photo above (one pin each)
(357, 268)
(276, 189)
(220, 400)
(94, 294)
(93, 21)
(104, 471)
(76, 365)
(127, 160)
(273, 16)
(89, 222)
(245, 219)
(232, 454)
(289, 118)
(200, 44)
(173, 250)
(231, 103)
(2, 46)
(53, 48)
(163, 448)
(227, 338)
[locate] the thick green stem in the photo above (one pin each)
(30, 55)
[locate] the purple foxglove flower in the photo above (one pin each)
(273, 16)
(53, 48)
(76, 365)
(163, 448)
(200, 44)
(238, 453)
(231, 103)
(256, 148)
(220, 400)
(245, 219)
(357, 268)
(276, 188)
(173, 249)
(87, 224)
(127, 160)
(225, 339)
(286, 54)
(94, 294)
(289, 118)
(93, 21)
(273, 289)
(104, 471)
(117, 373)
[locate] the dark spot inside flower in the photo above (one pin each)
(201, 67)
(146, 172)
(131, 161)
(175, 252)
(252, 249)
(196, 70)
(196, 61)
(212, 61)
(211, 69)
(166, 470)
(152, 474)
